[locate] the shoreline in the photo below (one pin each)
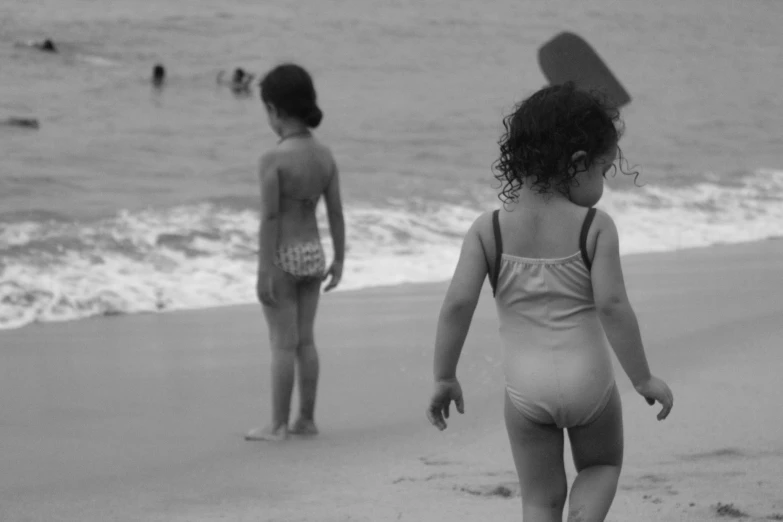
(391, 288)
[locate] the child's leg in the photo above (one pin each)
(598, 456)
(281, 320)
(538, 455)
(307, 357)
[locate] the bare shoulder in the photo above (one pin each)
(481, 230)
(603, 223)
(483, 223)
(327, 154)
(268, 161)
(603, 233)
(322, 146)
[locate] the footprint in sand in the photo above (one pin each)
(653, 485)
(435, 462)
(500, 473)
(505, 490)
(728, 510)
(438, 476)
(723, 453)
(654, 479)
(425, 479)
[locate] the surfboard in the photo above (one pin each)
(568, 57)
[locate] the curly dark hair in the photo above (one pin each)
(545, 130)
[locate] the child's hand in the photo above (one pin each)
(445, 392)
(336, 273)
(265, 285)
(655, 389)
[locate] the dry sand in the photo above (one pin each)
(141, 418)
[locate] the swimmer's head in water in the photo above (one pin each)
(556, 138)
(288, 92)
(48, 45)
(158, 74)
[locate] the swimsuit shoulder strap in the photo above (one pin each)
(498, 250)
(583, 237)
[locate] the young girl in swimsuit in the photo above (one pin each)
(554, 266)
(291, 263)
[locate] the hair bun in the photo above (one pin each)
(313, 117)
(289, 88)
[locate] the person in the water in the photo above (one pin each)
(28, 123)
(158, 75)
(240, 81)
(46, 45)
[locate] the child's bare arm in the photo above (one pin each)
(459, 304)
(268, 229)
(334, 211)
(611, 301)
(454, 323)
(270, 206)
(618, 318)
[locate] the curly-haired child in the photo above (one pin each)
(554, 266)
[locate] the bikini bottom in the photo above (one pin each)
(304, 261)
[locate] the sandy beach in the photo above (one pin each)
(141, 417)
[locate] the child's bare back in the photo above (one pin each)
(305, 169)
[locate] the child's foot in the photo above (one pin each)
(304, 427)
(270, 433)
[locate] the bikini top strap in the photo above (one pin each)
(583, 237)
(498, 250)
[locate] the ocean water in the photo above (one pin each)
(127, 200)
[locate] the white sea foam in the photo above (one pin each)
(202, 255)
